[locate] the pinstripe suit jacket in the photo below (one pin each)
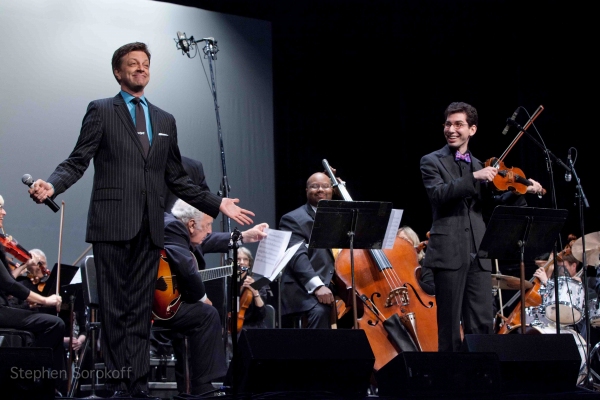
(126, 182)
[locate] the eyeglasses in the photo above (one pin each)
(457, 125)
(316, 186)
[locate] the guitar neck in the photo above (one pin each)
(216, 273)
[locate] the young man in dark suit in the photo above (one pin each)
(457, 185)
(136, 156)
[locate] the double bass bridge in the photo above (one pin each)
(397, 296)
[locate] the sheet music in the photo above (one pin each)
(392, 228)
(270, 251)
(281, 264)
(77, 277)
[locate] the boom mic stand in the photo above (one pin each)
(582, 200)
(210, 50)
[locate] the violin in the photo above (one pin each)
(246, 299)
(513, 178)
(12, 247)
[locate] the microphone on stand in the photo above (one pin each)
(511, 119)
(570, 164)
(183, 43)
(28, 180)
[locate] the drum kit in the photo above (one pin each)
(570, 302)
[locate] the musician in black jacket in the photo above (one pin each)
(48, 329)
(185, 228)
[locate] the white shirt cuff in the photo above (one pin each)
(313, 284)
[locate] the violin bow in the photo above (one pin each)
(58, 261)
(516, 139)
(60, 233)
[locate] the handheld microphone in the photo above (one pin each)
(514, 116)
(28, 180)
(570, 164)
(183, 42)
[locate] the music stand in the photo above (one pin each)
(67, 272)
(521, 233)
(350, 225)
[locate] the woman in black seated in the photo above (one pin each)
(254, 315)
(49, 330)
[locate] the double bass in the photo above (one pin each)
(386, 291)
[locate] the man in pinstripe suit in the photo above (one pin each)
(125, 219)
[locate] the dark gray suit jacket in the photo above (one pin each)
(125, 181)
(457, 204)
(195, 171)
(305, 264)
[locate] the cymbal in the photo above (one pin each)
(592, 249)
(507, 282)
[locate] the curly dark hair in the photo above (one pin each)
(460, 107)
(122, 51)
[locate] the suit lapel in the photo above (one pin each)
(123, 113)
(448, 162)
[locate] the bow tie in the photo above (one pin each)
(465, 157)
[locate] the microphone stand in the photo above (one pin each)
(236, 238)
(582, 200)
(210, 50)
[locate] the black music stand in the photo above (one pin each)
(350, 225)
(67, 272)
(521, 233)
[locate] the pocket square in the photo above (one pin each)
(162, 134)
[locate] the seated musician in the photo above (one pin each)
(185, 228)
(48, 329)
(254, 316)
(426, 275)
(567, 266)
(306, 290)
(34, 281)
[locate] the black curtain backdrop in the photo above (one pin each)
(364, 85)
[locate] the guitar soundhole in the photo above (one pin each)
(161, 284)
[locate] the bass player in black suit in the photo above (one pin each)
(458, 186)
(305, 289)
(134, 147)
